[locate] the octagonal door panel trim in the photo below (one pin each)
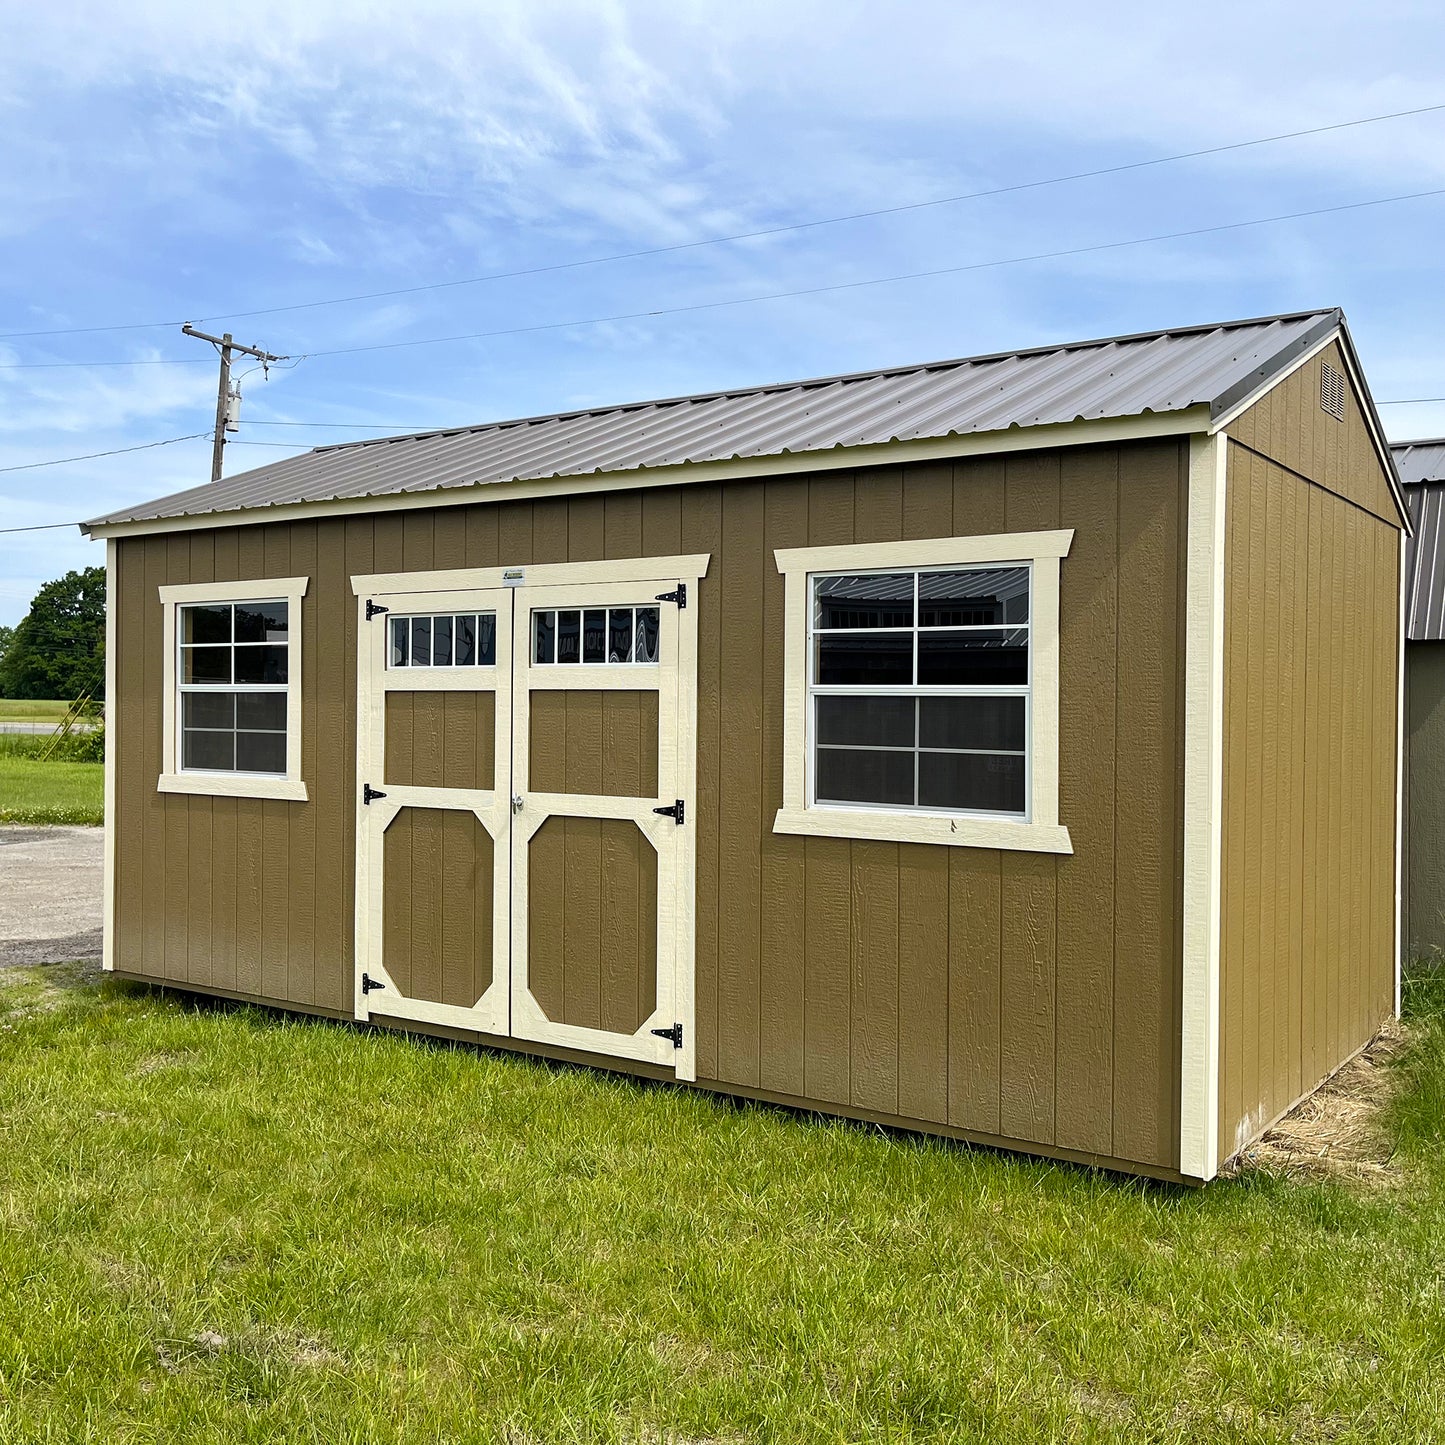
(434, 679)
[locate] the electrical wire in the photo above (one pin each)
(759, 234)
(91, 456)
(1400, 401)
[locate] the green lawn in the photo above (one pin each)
(218, 1225)
(17, 709)
(32, 791)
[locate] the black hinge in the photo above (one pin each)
(368, 983)
(374, 609)
(675, 812)
(368, 794)
(674, 1033)
(680, 596)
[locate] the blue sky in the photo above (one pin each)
(166, 161)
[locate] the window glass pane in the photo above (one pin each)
(569, 637)
(208, 709)
(594, 635)
(619, 635)
(884, 722)
(441, 642)
(971, 722)
(261, 753)
(261, 711)
(261, 664)
(206, 624)
(213, 751)
(487, 639)
(206, 664)
(421, 641)
(646, 650)
(544, 628)
(864, 659)
(847, 775)
(261, 621)
(981, 597)
(979, 782)
(974, 659)
(882, 600)
(464, 641)
(399, 632)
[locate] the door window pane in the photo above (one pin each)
(569, 637)
(544, 636)
(399, 634)
(421, 641)
(487, 639)
(594, 635)
(876, 600)
(441, 642)
(646, 634)
(464, 641)
(858, 775)
(619, 635)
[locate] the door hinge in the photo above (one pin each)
(368, 983)
(374, 609)
(680, 596)
(676, 812)
(674, 1033)
(369, 794)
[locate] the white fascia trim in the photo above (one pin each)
(1203, 809)
(690, 568)
(1098, 432)
(232, 785)
(107, 960)
(1042, 833)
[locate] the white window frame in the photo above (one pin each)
(175, 779)
(1039, 831)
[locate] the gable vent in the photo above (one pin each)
(1332, 391)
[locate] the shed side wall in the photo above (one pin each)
(1004, 995)
(1424, 874)
(1307, 903)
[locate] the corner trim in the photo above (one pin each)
(1203, 808)
(1400, 780)
(108, 715)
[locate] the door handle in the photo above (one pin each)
(516, 802)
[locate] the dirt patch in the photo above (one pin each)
(50, 894)
(1339, 1131)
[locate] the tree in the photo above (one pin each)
(7, 636)
(58, 647)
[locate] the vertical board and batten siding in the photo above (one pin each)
(1309, 789)
(1017, 997)
(1424, 867)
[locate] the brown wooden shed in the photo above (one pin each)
(1005, 748)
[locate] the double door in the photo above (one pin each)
(526, 751)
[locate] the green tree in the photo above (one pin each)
(7, 636)
(58, 647)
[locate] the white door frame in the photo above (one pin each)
(434, 590)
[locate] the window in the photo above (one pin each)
(919, 689)
(451, 639)
(594, 635)
(921, 698)
(232, 713)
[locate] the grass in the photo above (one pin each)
(32, 791)
(20, 709)
(220, 1225)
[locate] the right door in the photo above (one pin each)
(598, 830)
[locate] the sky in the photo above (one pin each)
(169, 161)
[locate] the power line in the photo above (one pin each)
(1410, 401)
(90, 456)
(785, 295)
(759, 234)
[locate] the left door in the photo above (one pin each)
(434, 751)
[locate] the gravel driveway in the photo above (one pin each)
(50, 894)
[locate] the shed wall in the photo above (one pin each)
(1308, 883)
(1424, 869)
(1008, 996)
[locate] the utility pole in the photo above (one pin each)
(225, 346)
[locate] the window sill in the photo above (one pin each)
(957, 832)
(218, 785)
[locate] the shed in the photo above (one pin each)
(1422, 470)
(1004, 747)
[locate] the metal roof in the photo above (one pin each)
(1422, 469)
(1153, 372)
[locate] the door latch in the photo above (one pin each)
(680, 596)
(369, 795)
(516, 802)
(675, 811)
(374, 609)
(674, 1033)
(368, 983)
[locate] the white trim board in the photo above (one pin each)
(107, 960)
(1203, 804)
(1095, 432)
(461, 580)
